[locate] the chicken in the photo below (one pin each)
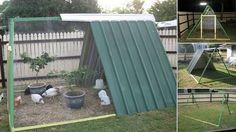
(27, 90)
(1, 97)
(105, 100)
(51, 92)
(37, 98)
(17, 101)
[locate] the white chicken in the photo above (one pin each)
(51, 92)
(17, 101)
(105, 100)
(37, 98)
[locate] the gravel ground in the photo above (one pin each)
(55, 109)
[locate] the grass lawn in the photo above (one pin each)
(229, 28)
(186, 81)
(163, 120)
(208, 112)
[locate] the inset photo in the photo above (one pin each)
(206, 21)
(206, 66)
(206, 110)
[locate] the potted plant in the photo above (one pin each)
(75, 98)
(37, 64)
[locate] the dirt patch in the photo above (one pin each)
(55, 109)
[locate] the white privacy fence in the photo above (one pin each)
(169, 40)
(66, 47)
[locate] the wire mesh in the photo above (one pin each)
(63, 43)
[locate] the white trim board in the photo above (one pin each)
(86, 17)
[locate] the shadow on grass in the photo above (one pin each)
(216, 75)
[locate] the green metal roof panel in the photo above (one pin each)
(199, 61)
(137, 69)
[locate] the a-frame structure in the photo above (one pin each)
(208, 27)
(224, 102)
(203, 60)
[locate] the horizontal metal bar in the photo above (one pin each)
(201, 101)
(201, 97)
(56, 58)
(208, 15)
(208, 93)
(62, 123)
(207, 39)
(33, 77)
(31, 19)
(205, 122)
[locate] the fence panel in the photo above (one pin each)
(169, 40)
(58, 45)
(65, 47)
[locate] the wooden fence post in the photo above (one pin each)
(210, 97)
(2, 64)
(193, 19)
(188, 20)
(178, 27)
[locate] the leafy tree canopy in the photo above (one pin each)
(136, 6)
(42, 8)
(164, 11)
(45, 8)
(4, 5)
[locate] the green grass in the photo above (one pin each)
(209, 80)
(163, 120)
(207, 112)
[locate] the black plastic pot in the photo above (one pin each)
(74, 99)
(37, 88)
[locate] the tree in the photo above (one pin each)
(164, 11)
(47, 8)
(136, 6)
(4, 5)
(43, 8)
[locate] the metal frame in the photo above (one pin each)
(215, 50)
(199, 22)
(10, 82)
(223, 102)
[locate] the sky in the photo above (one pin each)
(110, 4)
(1, 1)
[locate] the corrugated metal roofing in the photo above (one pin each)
(137, 69)
(199, 61)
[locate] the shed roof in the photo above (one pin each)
(137, 69)
(135, 63)
(199, 60)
